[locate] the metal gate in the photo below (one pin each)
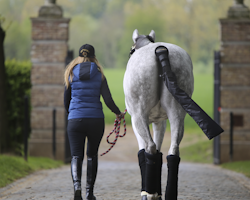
(67, 158)
(216, 149)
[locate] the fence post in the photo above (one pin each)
(216, 141)
(54, 134)
(231, 136)
(67, 154)
(26, 127)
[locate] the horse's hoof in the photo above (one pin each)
(152, 196)
(144, 197)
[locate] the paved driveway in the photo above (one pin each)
(121, 180)
(119, 177)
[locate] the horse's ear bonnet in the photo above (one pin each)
(135, 35)
(152, 35)
(141, 40)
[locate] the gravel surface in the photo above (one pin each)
(119, 177)
(121, 180)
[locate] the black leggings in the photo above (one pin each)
(79, 129)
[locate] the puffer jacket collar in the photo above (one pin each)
(85, 71)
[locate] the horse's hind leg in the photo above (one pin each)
(176, 117)
(159, 131)
(142, 133)
(141, 158)
(147, 157)
(173, 159)
(177, 130)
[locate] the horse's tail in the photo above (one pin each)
(208, 126)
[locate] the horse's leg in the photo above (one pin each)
(159, 131)
(173, 159)
(176, 119)
(176, 115)
(142, 133)
(177, 130)
(147, 156)
(141, 160)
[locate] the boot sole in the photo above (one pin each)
(93, 198)
(78, 195)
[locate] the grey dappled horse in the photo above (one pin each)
(148, 101)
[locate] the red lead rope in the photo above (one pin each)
(116, 129)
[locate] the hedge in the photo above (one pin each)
(18, 85)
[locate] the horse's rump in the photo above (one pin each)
(142, 81)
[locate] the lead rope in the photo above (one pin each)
(116, 129)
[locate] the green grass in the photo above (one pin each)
(115, 82)
(200, 152)
(241, 167)
(203, 96)
(13, 167)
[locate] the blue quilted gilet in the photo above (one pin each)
(85, 92)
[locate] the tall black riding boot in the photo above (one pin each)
(92, 165)
(151, 173)
(76, 172)
(158, 171)
(172, 182)
(142, 164)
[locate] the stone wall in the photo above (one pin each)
(235, 87)
(50, 33)
(50, 29)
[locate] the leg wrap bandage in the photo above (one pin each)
(208, 126)
(142, 164)
(172, 182)
(151, 175)
(153, 169)
(158, 172)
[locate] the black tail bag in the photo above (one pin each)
(208, 125)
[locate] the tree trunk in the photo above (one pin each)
(3, 109)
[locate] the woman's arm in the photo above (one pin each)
(106, 95)
(67, 98)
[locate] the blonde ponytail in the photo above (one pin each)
(69, 69)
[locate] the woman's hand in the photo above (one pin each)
(121, 115)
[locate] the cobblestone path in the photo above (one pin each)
(121, 180)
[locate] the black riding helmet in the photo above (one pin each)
(89, 49)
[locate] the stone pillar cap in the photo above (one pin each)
(50, 10)
(238, 10)
(50, 2)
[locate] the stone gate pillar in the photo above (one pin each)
(235, 81)
(50, 32)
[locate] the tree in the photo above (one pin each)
(144, 17)
(3, 109)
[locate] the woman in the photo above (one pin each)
(84, 83)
